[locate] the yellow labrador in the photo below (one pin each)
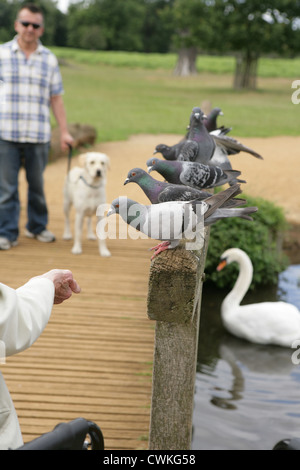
(85, 189)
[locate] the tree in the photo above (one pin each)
(251, 28)
(244, 28)
(158, 26)
(192, 31)
(119, 23)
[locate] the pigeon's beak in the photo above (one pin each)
(221, 265)
(110, 212)
(126, 181)
(204, 116)
(149, 168)
(197, 115)
(155, 151)
(221, 113)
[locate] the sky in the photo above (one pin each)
(62, 5)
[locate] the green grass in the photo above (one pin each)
(268, 67)
(122, 94)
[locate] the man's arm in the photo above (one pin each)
(59, 112)
(25, 312)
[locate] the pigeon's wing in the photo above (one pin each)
(217, 200)
(189, 151)
(222, 213)
(233, 146)
(232, 175)
(164, 221)
(200, 176)
(195, 174)
(179, 193)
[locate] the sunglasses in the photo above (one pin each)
(27, 23)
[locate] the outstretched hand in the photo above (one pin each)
(64, 284)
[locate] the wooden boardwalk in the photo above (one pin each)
(94, 359)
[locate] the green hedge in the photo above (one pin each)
(260, 239)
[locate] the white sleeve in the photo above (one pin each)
(24, 313)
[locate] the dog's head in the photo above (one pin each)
(95, 164)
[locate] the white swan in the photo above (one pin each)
(264, 323)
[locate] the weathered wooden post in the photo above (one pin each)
(174, 299)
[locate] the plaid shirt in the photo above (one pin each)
(27, 87)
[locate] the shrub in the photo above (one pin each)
(260, 239)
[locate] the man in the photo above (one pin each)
(31, 85)
(24, 314)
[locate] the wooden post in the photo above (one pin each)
(174, 299)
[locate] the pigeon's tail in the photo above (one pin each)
(221, 131)
(233, 146)
(219, 199)
(244, 213)
(232, 176)
(235, 202)
(224, 213)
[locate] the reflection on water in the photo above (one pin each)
(247, 395)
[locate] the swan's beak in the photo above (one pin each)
(221, 265)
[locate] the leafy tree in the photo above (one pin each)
(251, 28)
(158, 26)
(119, 23)
(192, 32)
(7, 18)
(245, 28)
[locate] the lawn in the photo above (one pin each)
(123, 94)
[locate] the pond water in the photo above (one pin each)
(247, 395)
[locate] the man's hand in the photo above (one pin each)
(66, 141)
(64, 284)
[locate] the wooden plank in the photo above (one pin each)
(94, 358)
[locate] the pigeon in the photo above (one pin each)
(169, 152)
(199, 145)
(176, 221)
(193, 174)
(204, 147)
(161, 191)
(172, 152)
(210, 122)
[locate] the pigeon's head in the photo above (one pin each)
(114, 207)
(135, 175)
(161, 148)
(197, 115)
(152, 164)
(215, 112)
(122, 205)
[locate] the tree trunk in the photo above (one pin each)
(186, 63)
(246, 71)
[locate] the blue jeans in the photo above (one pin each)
(34, 157)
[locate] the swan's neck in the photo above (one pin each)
(241, 285)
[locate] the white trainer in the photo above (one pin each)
(6, 244)
(45, 236)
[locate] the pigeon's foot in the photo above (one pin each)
(159, 248)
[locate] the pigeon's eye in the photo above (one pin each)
(133, 173)
(117, 205)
